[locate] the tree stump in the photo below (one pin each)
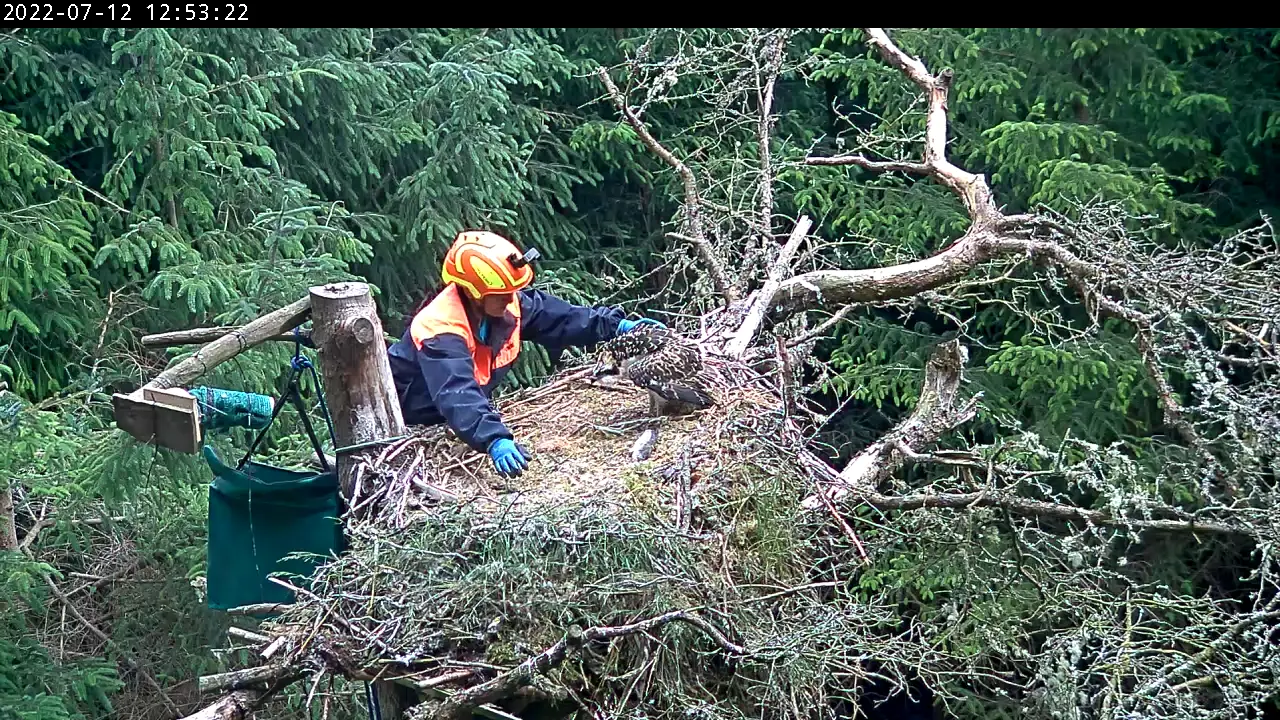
(360, 393)
(357, 374)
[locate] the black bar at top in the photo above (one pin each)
(145, 13)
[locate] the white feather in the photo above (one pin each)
(644, 445)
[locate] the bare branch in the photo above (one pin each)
(1038, 508)
(199, 336)
(741, 338)
(971, 188)
(824, 288)
(460, 705)
(693, 213)
(233, 343)
(867, 164)
(236, 706)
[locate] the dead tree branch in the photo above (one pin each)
(459, 706)
(1041, 509)
(937, 412)
(236, 706)
(781, 267)
(692, 209)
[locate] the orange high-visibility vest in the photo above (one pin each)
(447, 314)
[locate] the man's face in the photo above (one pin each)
(495, 305)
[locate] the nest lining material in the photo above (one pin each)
(452, 567)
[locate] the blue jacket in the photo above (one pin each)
(446, 368)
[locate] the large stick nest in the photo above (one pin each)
(453, 569)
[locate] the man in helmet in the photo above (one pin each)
(461, 344)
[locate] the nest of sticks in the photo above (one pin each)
(676, 583)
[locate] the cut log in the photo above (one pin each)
(361, 396)
(236, 706)
(233, 343)
(200, 336)
(358, 387)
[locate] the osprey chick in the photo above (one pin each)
(662, 362)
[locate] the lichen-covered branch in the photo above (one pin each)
(766, 73)
(692, 203)
(459, 705)
(240, 679)
(1042, 509)
(937, 411)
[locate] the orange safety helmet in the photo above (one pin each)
(485, 263)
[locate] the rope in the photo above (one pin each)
(222, 409)
(298, 364)
(348, 449)
(371, 701)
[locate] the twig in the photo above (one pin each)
(259, 609)
(845, 527)
(708, 255)
(867, 164)
(459, 705)
(128, 659)
(693, 215)
(827, 324)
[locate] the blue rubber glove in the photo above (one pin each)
(508, 459)
(625, 326)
